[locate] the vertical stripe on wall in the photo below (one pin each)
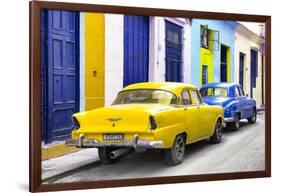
(82, 63)
(94, 60)
(114, 30)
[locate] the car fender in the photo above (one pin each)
(233, 105)
(218, 116)
(169, 123)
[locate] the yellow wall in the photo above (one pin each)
(94, 60)
(206, 58)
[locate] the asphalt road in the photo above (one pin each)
(239, 151)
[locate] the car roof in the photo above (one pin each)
(220, 84)
(174, 87)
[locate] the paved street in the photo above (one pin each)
(239, 151)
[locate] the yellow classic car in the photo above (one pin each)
(152, 115)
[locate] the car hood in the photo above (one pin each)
(214, 100)
(123, 118)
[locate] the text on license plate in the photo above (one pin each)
(113, 136)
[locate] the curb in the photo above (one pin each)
(63, 164)
(56, 150)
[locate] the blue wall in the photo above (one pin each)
(226, 36)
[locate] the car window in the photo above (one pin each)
(185, 97)
(214, 91)
(196, 97)
(236, 92)
(241, 92)
(145, 96)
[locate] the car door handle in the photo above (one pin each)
(185, 109)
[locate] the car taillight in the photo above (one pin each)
(152, 123)
(75, 122)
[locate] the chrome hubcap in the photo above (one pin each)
(179, 148)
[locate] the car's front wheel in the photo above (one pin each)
(104, 155)
(217, 135)
(175, 154)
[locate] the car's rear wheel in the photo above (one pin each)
(253, 118)
(104, 155)
(236, 124)
(217, 135)
(175, 154)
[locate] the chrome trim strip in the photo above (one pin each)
(135, 143)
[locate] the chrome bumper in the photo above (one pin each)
(134, 143)
(229, 119)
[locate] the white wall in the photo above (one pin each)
(82, 62)
(244, 42)
(157, 48)
(113, 56)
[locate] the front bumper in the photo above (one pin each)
(229, 119)
(134, 143)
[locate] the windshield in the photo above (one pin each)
(216, 91)
(145, 96)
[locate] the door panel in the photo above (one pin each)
(207, 120)
(241, 68)
(62, 78)
(223, 67)
(191, 114)
(204, 74)
(136, 38)
(173, 37)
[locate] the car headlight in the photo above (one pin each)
(75, 122)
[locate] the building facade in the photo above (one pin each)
(88, 57)
(212, 51)
(248, 63)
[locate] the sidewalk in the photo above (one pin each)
(59, 165)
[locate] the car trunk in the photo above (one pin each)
(126, 118)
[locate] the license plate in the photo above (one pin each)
(113, 136)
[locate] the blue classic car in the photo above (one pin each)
(231, 97)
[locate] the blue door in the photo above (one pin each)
(224, 61)
(136, 34)
(60, 80)
(173, 41)
(241, 69)
(254, 69)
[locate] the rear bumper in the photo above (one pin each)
(134, 143)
